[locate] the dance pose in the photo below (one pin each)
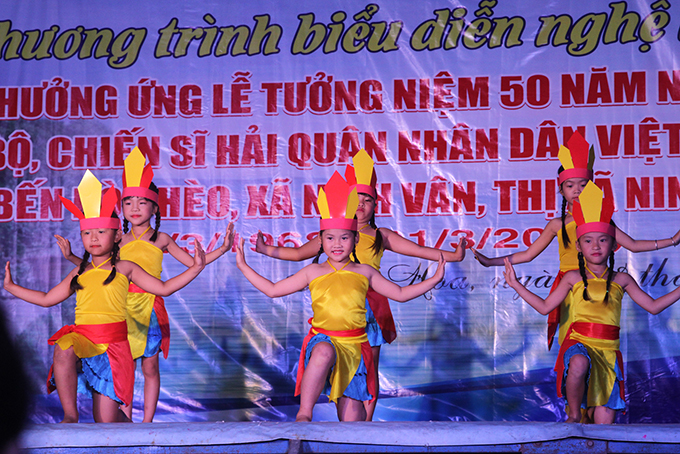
(336, 356)
(576, 171)
(98, 342)
(147, 318)
(589, 364)
(373, 242)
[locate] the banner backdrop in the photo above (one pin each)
(246, 108)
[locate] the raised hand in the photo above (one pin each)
(441, 268)
(228, 238)
(260, 245)
(8, 276)
(509, 274)
(199, 255)
(240, 255)
(64, 245)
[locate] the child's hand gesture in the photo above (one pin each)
(509, 274)
(260, 245)
(240, 255)
(441, 265)
(228, 239)
(199, 256)
(8, 276)
(460, 250)
(64, 245)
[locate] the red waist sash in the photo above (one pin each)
(366, 354)
(595, 331)
(120, 357)
(161, 315)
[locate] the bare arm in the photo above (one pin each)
(185, 259)
(396, 243)
(633, 245)
(150, 284)
(642, 299)
(45, 299)
(65, 247)
(533, 251)
(292, 254)
(292, 284)
(391, 290)
(543, 306)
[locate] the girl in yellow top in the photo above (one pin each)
(147, 318)
(589, 365)
(576, 171)
(98, 340)
(373, 241)
(336, 351)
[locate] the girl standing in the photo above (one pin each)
(380, 326)
(574, 174)
(147, 318)
(98, 341)
(589, 364)
(336, 355)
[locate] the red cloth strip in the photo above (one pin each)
(554, 316)
(120, 357)
(383, 314)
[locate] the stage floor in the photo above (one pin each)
(335, 437)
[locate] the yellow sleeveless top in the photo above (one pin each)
(568, 256)
(339, 300)
(97, 303)
(576, 309)
(140, 305)
(365, 252)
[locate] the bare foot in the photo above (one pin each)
(69, 420)
(572, 419)
(303, 418)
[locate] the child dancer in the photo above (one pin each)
(147, 318)
(98, 340)
(380, 326)
(589, 364)
(576, 171)
(336, 350)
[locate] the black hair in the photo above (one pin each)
(75, 285)
(157, 226)
(565, 236)
(354, 250)
(378, 243)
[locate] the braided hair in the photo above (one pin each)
(378, 243)
(157, 226)
(565, 236)
(582, 270)
(75, 285)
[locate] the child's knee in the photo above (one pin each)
(323, 351)
(579, 365)
(62, 355)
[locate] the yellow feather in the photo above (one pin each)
(564, 156)
(363, 167)
(352, 204)
(322, 203)
(591, 202)
(134, 166)
(90, 191)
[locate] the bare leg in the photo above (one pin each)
(576, 385)
(604, 415)
(66, 380)
(127, 409)
(152, 386)
(105, 409)
(313, 379)
(350, 409)
(370, 404)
